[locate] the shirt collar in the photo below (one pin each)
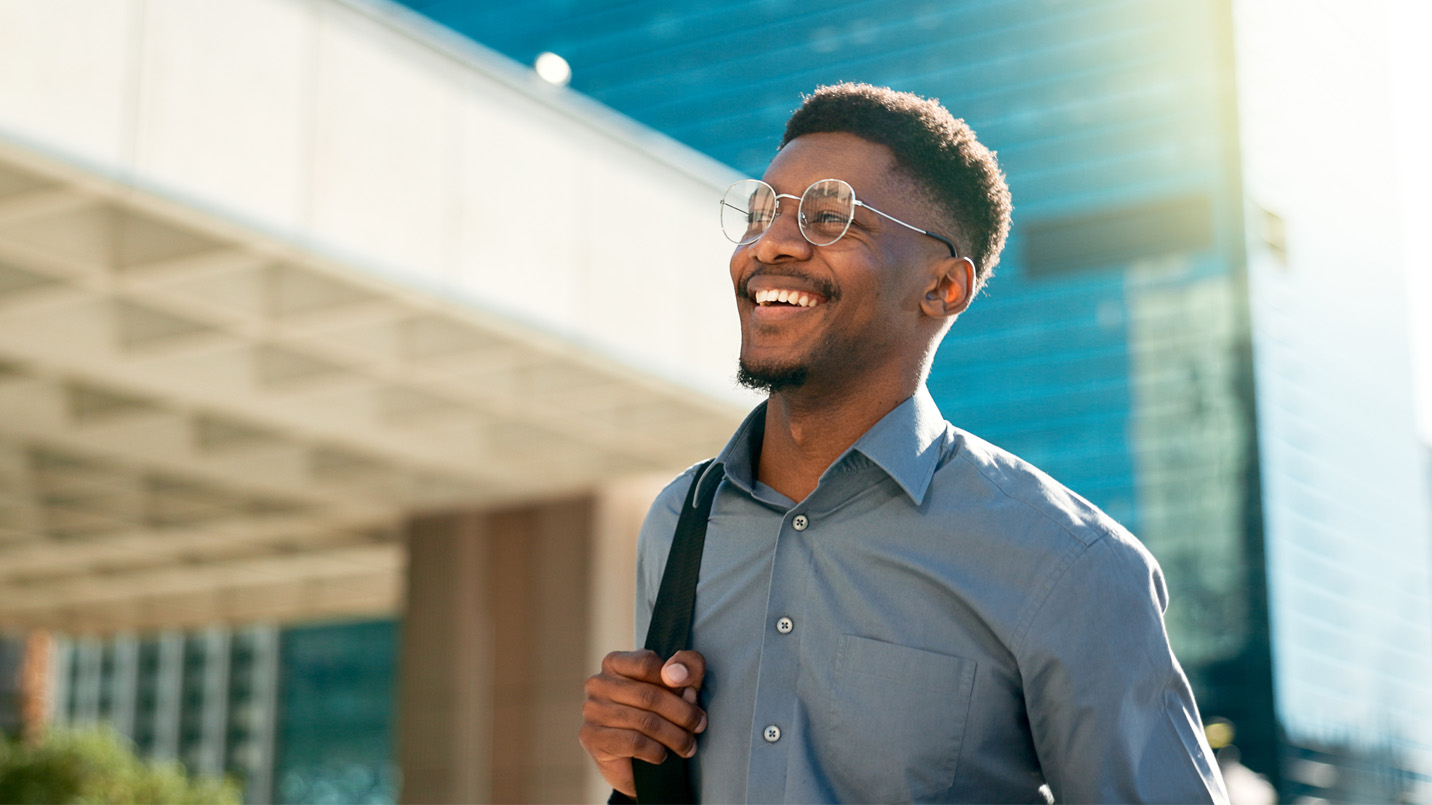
(735, 459)
(905, 443)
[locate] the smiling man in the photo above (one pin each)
(889, 608)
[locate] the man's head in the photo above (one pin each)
(872, 305)
(958, 176)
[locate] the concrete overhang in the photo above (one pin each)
(319, 267)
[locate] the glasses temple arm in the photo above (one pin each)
(941, 238)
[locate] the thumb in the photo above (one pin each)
(685, 669)
(675, 675)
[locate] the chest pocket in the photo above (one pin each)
(897, 720)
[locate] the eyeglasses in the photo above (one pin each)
(826, 209)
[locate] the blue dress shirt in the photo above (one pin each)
(938, 621)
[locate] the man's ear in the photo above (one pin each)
(950, 291)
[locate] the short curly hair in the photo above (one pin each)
(938, 151)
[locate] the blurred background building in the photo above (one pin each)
(336, 308)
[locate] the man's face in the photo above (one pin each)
(854, 304)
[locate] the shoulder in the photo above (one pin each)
(1025, 512)
(1022, 493)
(1091, 590)
(668, 502)
(657, 530)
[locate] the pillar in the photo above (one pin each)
(447, 662)
(508, 612)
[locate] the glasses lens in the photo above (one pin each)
(826, 208)
(747, 210)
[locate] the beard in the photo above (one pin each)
(771, 379)
(775, 378)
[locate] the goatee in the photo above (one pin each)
(771, 379)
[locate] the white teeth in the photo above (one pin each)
(789, 297)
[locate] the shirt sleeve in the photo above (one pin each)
(658, 531)
(1111, 712)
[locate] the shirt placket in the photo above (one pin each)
(776, 728)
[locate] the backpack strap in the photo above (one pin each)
(670, 631)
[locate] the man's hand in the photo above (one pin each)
(639, 707)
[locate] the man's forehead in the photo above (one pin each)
(865, 165)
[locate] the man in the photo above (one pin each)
(891, 609)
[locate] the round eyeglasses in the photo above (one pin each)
(825, 211)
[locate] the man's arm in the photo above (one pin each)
(639, 707)
(1111, 711)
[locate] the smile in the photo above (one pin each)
(780, 296)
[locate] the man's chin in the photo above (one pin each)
(771, 379)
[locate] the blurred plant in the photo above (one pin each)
(98, 765)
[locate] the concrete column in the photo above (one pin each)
(541, 554)
(495, 649)
(448, 662)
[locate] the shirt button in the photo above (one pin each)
(800, 522)
(785, 625)
(772, 734)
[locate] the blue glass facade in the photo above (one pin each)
(1112, 347)
(337, 696)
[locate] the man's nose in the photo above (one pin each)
(783, 239)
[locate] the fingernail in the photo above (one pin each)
(676, 673)
(702, 726)
(689, 694)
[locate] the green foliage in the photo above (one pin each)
(98, 765)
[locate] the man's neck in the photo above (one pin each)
(806, 432)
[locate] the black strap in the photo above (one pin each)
(670, 632)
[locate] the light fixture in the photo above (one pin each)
(553, 69)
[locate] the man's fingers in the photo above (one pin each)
(685, 669)
(610, 745)
(674, 674)
(642, 664)
(640, 707)
(635, 732)
(605, 745)
(654, 699)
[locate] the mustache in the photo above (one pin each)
(820, 285)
